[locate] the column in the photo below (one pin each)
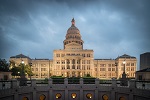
(81, 90)
(65, 64)
(81, 73)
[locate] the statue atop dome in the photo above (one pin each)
(73, 22)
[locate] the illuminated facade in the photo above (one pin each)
(74, 60)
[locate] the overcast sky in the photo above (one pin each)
(110, 27)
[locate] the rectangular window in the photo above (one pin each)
(102, 65)
(109, 69)
(132, 64)
(113, 69)
(109, 65)
(128, 64)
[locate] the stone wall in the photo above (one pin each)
(74, 91)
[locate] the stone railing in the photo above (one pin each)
(73, 89)
(116, 83)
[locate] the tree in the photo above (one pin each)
(20, 69)
(4, 65)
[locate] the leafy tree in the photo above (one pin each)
(21, 69)
(16, 71)
(4, 65)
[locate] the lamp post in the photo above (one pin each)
(124, 79)
(124, 74)
(23, 80)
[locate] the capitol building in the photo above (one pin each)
(75, 61)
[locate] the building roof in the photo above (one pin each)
(125, 56)
(144, 70)
(103, 59)
(20, 56)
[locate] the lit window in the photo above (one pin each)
(73, 95)
(25, 98)
(122, 98)
(105, 97)
(58, 96)
(89, 95)
(42, 97)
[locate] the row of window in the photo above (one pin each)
(73, 61)
(73, 54)
(74, 95)
(36, 69)
(109, 69)
(128, 64)
(74, 67)
(104, 65)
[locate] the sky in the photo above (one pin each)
(110, 27)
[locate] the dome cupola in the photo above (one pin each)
(73, 35)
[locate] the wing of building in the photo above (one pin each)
(74, 60)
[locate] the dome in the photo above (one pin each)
(73, 37)
(73, 31)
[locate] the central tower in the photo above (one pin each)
(73, 38)
(73, 60)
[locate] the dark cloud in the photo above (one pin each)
(111, 28)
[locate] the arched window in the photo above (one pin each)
(58, 96)
(73, 61)
(105, 97)
(122, 98)
(25, 98)
(73, 95)
(89, 95)
(42, 97)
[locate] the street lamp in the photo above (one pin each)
(124, 63)
(124, 79)
(23, 81)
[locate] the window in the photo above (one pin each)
(42, 97)
(109, 69)
(109, 65)
(128, 64)
(88, 61)
(83, 55)
(68, 67)
(58, 96)
(132, 64)
(57, 55)
(58, 61)
(73, 61)
(62, 55)
(88, 67)
(113, 65)
(25, 98)
(43, 69)
(102, 69)
(83, 61)
(113, 69)
(105, 97)
(63, 61)
(102, 65)
(89, 95)
(78, 61)
(73, 95)
(132, 68)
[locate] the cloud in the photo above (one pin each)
(36, 28)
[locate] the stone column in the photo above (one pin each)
(66, 81)
(65, 64)
(33, 82)
(50, 82)
(81, 68)
(81, 90)
(14, 83)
